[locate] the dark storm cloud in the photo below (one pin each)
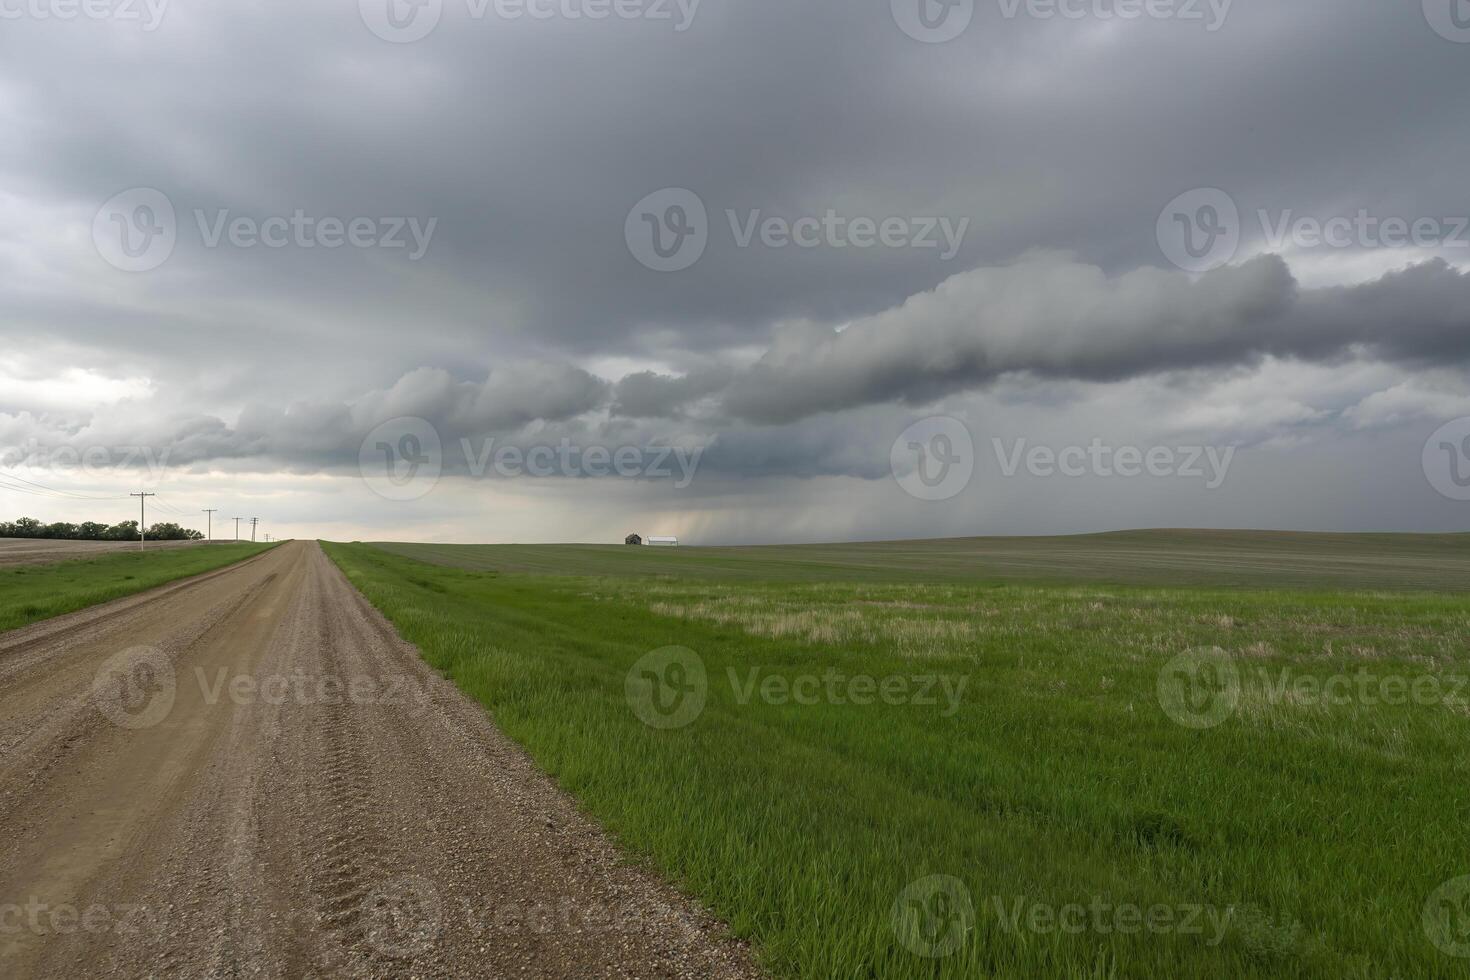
(1043, 133)
(645, 394)
(1053, 317)
(1046, 316)
(529, 141)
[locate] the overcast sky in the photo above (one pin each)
(496, 270)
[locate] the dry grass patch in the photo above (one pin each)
(856, 623)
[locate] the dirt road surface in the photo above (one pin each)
(249, 774)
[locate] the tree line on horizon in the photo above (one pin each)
(29, 527)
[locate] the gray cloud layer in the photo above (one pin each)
(1046, 316)
(1056, 318)
(1058, 140)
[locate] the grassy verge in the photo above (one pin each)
(1055, 819)
(30, 593)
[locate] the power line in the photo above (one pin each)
(167, 506)
(36, 493)
(209, 529)
(253, 521)
(57, 492)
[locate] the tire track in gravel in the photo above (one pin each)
(313, 800)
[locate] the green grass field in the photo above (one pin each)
(924, 759)
(1249, 559)
(30, 593)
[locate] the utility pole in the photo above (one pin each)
(209, 534)
(237, 528)
(142, 517)
(253, 521)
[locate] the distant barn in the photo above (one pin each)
(664, 542)
(633, 539)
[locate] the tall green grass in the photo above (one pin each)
(1315, 833)
(30, 593)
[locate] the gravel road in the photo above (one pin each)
(249, 774)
